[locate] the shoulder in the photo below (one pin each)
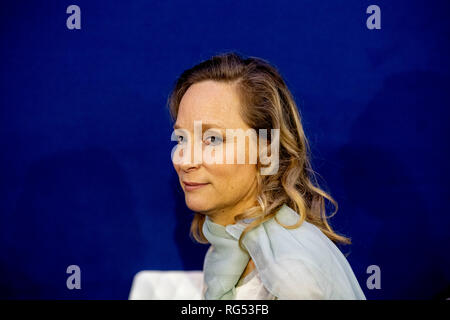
(306, 243)
(300, 263)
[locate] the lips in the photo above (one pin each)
(190, 186)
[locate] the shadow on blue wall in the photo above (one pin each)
(75, 208)
(393, 203)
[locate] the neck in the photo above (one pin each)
(225, 216)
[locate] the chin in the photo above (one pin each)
(198, 203)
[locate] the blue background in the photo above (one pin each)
(85, 170)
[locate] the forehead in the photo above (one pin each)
(210, 102)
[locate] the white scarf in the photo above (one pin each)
(224, 263)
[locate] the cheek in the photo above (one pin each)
(231, 178)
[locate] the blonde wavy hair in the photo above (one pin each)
(266, 103)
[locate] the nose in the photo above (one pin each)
(187, 160)
(189, 166)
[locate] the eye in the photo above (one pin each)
(180, 139)
(213, 140)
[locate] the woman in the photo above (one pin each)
(269, 234)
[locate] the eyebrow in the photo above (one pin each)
(204, 126)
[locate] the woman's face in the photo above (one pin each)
(228, 188)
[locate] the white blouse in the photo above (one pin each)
(252, 288)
